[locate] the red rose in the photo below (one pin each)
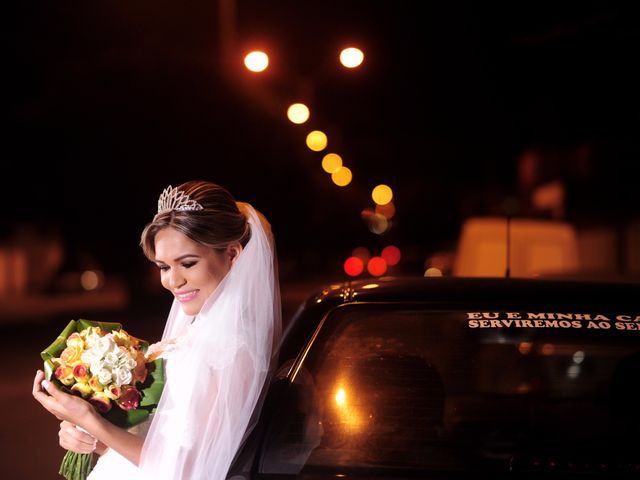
(129, 399)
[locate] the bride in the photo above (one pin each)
(217, 257)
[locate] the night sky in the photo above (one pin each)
(117, 99)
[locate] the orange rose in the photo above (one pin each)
(121, 338)
(81, 389)
(113, 391)
(65, 375)
(95, 384)
(71, 355)
(101, 402)
(75, 340)
(80, 372)
(140, 372)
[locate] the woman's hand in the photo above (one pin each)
(74, 439)
(64, 406)
(77, 440)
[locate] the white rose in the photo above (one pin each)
(104, 345)
(86, 358)
(129, 363)
(122, 376)
(92, 338)
(94, 360)
(96, 367)
(111, 359)
(105, 376)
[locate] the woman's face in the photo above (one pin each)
(188, 269)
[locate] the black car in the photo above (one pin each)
(454, 378)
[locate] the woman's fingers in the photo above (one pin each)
(76, 433)
(41, 395)
(59, 403)
(51, 389)
(37, 388)
(75, 440)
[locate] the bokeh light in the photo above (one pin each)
(391, 254)
(342, 177)
(388, 210)
(525, 347)
(353, 266)
(317, 140)
(378, 224)
(382, 194)
(362, 253)
(548, 349)
(376, 266)
(433, 272)
(375, 222)
(351, 57)
(331, 162)
(298, 113)
(256, 61)
(91, 279)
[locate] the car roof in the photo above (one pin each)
(550, 292)
(461, 293)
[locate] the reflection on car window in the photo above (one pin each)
(391, 388)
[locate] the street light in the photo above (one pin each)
(317, 141)
(351, 57)
(342, 177)
(256, 61)
(331, 162)
(298, 113)
(382, 194)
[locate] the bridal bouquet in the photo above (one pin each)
(102, 363)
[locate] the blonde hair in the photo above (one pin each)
(219, 223)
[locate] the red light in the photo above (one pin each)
(391, 255)
(353, 266)
(377, 266)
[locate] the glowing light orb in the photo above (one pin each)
(382, 194)
(391, 254)
(331, 162)
(353, 266)
(351, 57)
(298, 113)
(433, 272)
(317, 140)
(377, 266)
(256, 61)
(388, 210)
(342, 177)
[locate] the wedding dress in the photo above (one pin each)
(112, 464)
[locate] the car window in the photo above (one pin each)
(408, 388)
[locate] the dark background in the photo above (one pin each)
(109, 102)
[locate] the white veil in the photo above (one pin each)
(216, 373)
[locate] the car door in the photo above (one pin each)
(422, 391)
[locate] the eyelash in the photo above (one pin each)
(165, 268)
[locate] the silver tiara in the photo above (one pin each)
(174, 199)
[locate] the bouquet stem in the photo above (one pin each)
(76, 466)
